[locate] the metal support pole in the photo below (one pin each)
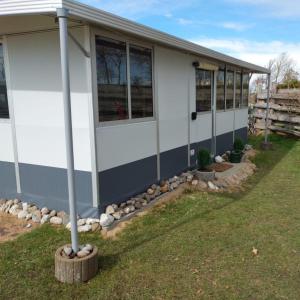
(268, 108)
(62, 15)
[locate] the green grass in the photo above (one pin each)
(196, 247)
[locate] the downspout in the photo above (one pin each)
(62, 15)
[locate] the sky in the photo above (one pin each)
(252, 30)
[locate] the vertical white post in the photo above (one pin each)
(62, 15)
(268, 108)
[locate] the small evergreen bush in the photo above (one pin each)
(203, 159)
(238, 145)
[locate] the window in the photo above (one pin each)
(141, 82)
(238, 90)
(221, 90)
(229, 89)
(4, 113)
(117, 88)
(111, 80)
(203, 90)
(245, 90)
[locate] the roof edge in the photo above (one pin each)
(101, 17)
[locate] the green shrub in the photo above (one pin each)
(238, 145)
(203, 159)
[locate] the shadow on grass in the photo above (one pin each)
(266, 162)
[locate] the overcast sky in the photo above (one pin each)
(252, 30)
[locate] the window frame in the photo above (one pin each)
(5, 119)
(211, 93)
(226, 88)
(128, 41)
(242, 90)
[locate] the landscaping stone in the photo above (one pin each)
(109, 210)
(165, 188)
(219, 159)
(64, 216)
(126, 210)
(52, 213)
(22, 214)
(81, 222)
(45, 211)
(36, 216)
(56, 220)
(82, 253)
(202, 184)
(91, 221)
(68, 250)
(25, 206)
(88, 247)
(118, 215)
(85, 228)
(211, 185)
(16, 201)
(106, 220)
(45, 219)
(150, 191)
(28, 217)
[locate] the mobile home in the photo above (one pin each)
(143, 102)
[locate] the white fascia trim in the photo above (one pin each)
(100, 17)
(19, 7)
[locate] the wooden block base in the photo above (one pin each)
(77, 269)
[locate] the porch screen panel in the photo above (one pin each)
(4, 113)
(221, 90)
(203, 90)
(141, 82)
(245, 90)
(238, 90)
(111, 79)
(229, 89)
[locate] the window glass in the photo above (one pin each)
(238, 91)
(111, 79)
(229, 89)
(245, 90)
(4, 114)
(141, 82)
(203, 90)
(221, 90)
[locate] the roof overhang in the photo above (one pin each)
(100, 17)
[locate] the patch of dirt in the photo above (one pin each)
(11, 227)
(219, 167)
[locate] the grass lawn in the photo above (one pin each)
(199, 246)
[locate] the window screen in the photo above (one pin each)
(141, 82)
(111, 79)
(245, 90)
(238, 90)
(229, 89)
(203, 90)
(221, 90)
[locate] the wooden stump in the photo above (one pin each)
(77, 269)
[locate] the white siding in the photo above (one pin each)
(241, 118)
(36, 92)
(172, 69)
(121, 144)
(224, 122)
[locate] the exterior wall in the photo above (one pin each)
(241, 123)
(172, 90)
(35, 88)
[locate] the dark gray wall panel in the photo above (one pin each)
(224, 142)
(242, 133)
(120, 183)
(173, 162)
(197, 146)
(48, 186)
(7, 179)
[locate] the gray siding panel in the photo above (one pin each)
(48, 186)
(242, 133)
(224, 142)
(173, 162)
(122, 182)
(7, 179)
